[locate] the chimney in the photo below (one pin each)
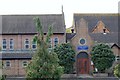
(72, 30)
(104, 31)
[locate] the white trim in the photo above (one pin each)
(6, 64)
(50, 43)
(11, 45)
(23, 64)
(26, 44)
(4, 44)
(84, 43)
(54, 41)
(33, 44)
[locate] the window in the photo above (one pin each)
(24, 64)
(11, 44)
(4, 46)
(50, 43)
(55, 42)
(34, 45)
(82, 41)
(117, 58)
(26, 44)
(7, 64)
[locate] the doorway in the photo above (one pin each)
(83, 63)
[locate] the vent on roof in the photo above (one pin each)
(104, 31)
(72, 30)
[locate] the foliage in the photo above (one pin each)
(44, 63)
(66, 55)
(102, 57)
(3, 77)
(117, 70)
(68, 30)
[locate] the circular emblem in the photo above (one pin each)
(82, 41)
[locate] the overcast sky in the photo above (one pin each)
(54, 7)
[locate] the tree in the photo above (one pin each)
(102, 57)
(44, 63)
(66, 55)
(117, 70)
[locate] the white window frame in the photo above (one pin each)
(54, 41)
(27, 44)
(4, 44)
(50, 43)
(6, 64)
(11, 44)
(23, 64)
(34, 44)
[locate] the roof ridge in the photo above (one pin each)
(30, 14)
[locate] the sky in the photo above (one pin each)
(55, 7)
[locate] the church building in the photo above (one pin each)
(89, 29)
(17, 32)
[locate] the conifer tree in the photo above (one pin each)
(44, 63)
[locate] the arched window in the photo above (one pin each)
(34, 45)
(24, 64)
(7, 64)
(50, 43)
(26, 44)
(4, 44)
(55, 42)
(11, 46)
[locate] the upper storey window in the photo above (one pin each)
(50, 43)
(55, 42)
(34, 45)
(26, 44)
(11, 44)
(4, 44)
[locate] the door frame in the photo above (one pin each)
(83, 58)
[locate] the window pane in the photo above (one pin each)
(26, 46)
(4, 46)
(55, 42)
(8, 64)
(33, 46)
(24, 64)
(4, 41)
(11, 44)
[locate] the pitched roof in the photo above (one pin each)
(108, 38)
(14, 24)
(70, 35)
(110, 20)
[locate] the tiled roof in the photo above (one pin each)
(70, 35)
(110, 20)
(108, 38)
(15, 24)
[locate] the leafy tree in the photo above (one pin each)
(102, 57)
(68, 30)
(117, 70)
(66, 55)
(44, 63)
